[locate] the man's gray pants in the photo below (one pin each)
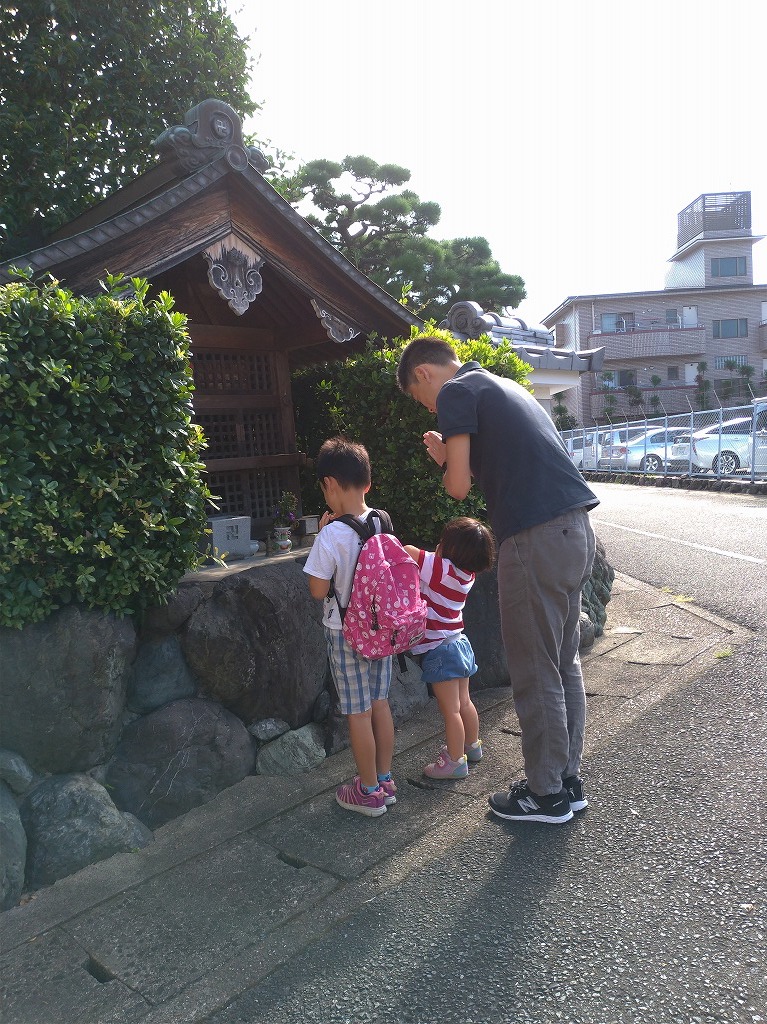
(541, 572)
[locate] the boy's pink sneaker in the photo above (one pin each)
(352, 797)
(390, 792)
(445, 768)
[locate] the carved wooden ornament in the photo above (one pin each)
(234, 270)
(336, 328)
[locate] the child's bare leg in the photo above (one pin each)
(383, 735)
(469, 715)
(448, 698)
(363, 746)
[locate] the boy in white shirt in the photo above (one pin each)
(343, 469)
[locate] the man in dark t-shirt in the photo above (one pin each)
(493, 432)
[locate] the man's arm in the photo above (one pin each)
(457, 477)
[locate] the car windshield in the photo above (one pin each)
(654, 438)
(739, 426)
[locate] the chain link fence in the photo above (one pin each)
(724, 442)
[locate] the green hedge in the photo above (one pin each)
(101, 497)
(359, 398)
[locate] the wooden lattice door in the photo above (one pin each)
(242, 401)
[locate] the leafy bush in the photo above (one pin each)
(359, 398)
(101, 498)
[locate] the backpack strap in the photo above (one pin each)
(367, 529)
(364, 530)
(384, 519)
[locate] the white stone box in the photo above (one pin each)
(230, 534)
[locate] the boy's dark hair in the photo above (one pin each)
(424, 348)
(468, 544)
(345, 461)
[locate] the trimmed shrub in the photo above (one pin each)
(101, 498)
(359, 398)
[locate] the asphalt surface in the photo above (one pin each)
(647, 909)
(705, 545)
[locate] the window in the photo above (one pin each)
(672, 317)
(672, 373)
(728, 266)
(626, 378)
(730, 328)
(719, 361)
(612, 322)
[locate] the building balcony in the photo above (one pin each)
(650, 342)
(725, 212)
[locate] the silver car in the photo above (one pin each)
(647, 453)
(724, 448)
(598, 444)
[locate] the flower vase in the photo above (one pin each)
(282, 539)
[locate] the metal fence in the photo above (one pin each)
(724, 442)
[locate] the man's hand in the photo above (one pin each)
(435, 446)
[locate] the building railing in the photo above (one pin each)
(632, 327)
(648, 343)
(715, 211)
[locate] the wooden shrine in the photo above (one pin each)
(264, 293)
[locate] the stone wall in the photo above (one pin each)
(121, 726)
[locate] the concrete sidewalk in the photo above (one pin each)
(240, 886)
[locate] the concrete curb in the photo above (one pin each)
(684, 483)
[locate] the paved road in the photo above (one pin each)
(646, 911)
(706, 545)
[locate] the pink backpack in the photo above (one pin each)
(386, 614)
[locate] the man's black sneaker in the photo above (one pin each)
(521, 804)
(573, 786)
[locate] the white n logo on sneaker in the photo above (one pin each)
(528, 804)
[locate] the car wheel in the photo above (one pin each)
(651, 464)
(725, 463)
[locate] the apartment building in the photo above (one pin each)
(701, 342)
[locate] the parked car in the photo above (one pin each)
(724, 448)
(592, 452)
(575, 446)
(648, 452)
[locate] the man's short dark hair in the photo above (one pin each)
(424, 348)
(346, 461)
(468, 544)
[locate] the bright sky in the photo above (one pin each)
(568, 134)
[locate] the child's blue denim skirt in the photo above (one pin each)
(453, 659)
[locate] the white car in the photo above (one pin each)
(597, 443)
(648, 453)
(575, 446)
(723, 449)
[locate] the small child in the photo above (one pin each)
(447, 575)
(343, 470)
